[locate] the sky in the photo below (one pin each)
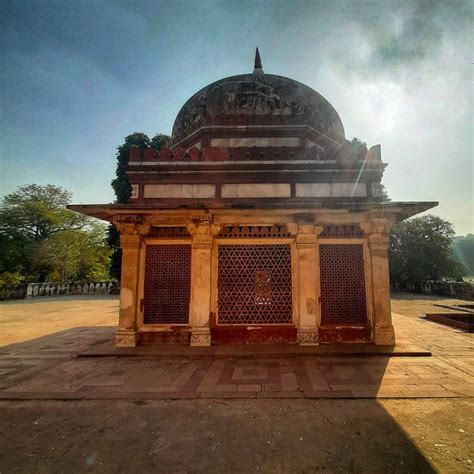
(77, 76)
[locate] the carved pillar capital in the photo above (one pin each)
(377, 227)
(202, 233)
(307, 235)
(132, 228)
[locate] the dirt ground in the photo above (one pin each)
(224, 435)
(277, 436)
(23, 320)
(416, 305)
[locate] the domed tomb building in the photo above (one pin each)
(259, 223)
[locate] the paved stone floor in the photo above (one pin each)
(44, 343)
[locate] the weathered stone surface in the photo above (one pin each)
(331, 190)
(253, 99)
(257, 190)
(179, 191)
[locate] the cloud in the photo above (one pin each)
(393, 36)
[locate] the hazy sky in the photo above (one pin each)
(78, 76)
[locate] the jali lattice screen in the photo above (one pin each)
(167, 284)
(342, 284)
(254, 284)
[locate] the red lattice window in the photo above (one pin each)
(167, 284)
(254, 284)
(342, 284)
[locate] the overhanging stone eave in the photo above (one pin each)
(394, 210)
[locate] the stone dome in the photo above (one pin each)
(257, 99)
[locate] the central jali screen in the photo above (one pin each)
(254, 284)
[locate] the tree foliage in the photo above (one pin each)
(121, 185)
(42, 240)
(463, 252)
(35, 212)
(420, 249)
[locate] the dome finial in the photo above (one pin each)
(258, 63)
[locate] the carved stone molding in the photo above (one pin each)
(308, 336)
(380, 214)
(200, 337)
(202, 218)
(384, 336)
(254, 231)
(126, 338)
(128, 219)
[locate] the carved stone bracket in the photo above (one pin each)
(378, 224)
(131, 225)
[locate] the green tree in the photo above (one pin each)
(463, 252)
(122, 188)
(121, 184)
(76, 255)
(420, 249)
(35, 212)
(38, 234)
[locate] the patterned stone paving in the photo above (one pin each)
(49, 368)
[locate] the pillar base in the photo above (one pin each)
(200, 337)
(308, 336)
(384, 336)
(126, 338)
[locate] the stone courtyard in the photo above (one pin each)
(63, 349)
(63, 382)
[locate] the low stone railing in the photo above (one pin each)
(34, 290)
(454, 289)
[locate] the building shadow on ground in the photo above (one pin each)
(190, 424)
